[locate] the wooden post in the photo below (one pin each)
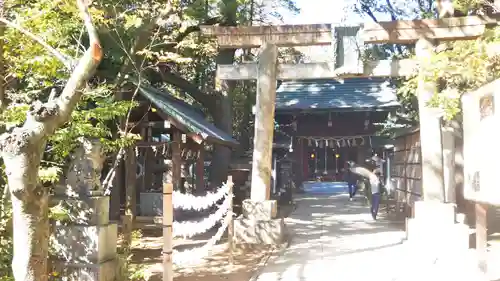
(300, 162)
(149, 161)
(176, 159)
(482, 235)
(264, 123)
(230, 229)
(430, 129)
(116, 192)
(200, 169)
(168, 218)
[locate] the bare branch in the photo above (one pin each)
(62, 58)
(44, 118)
(369, 12)
(84, 70)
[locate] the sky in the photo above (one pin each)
(321, 11)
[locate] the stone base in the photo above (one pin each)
(106, 271)
(264, 232)
(438, 238)
(435, 211)
(260, 210)
(434, 229)
(84, 244)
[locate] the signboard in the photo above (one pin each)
(481, 118)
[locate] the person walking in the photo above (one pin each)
(379, 165)
(351, 180)
(375, 190)
(374, 180)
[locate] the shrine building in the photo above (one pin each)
(332, 121)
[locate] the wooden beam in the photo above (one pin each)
(249, 71)
(279, 35)
(323, 70)
(390, 68)
(200, 170)
(445, 29)
(177, 160)
(152, 124)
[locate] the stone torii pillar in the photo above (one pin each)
(434, 226)
(264, 129)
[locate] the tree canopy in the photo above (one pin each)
(156, 41)
(458, 66)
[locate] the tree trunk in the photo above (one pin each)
(130, 198)
(22, 150)
(224, 121)
(29, 213)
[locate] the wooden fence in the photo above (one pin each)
(406, 169)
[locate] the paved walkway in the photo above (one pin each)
(336, 239)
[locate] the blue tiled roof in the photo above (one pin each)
(350, 94)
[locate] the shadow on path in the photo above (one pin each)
(333, 238)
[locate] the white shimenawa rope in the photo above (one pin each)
(192, 228)
(194, 256)
(198, 203)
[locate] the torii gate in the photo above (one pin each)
(436, 221)
(267, 71)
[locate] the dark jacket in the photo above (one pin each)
(349, 176)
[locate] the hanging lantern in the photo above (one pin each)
(312, 155)
(309, 142)
(320, 143)
(327, 143)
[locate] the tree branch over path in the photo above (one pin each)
(64, 59)
(44, 118)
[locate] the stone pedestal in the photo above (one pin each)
(259, 224)
(83, 245)
(434, 229)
